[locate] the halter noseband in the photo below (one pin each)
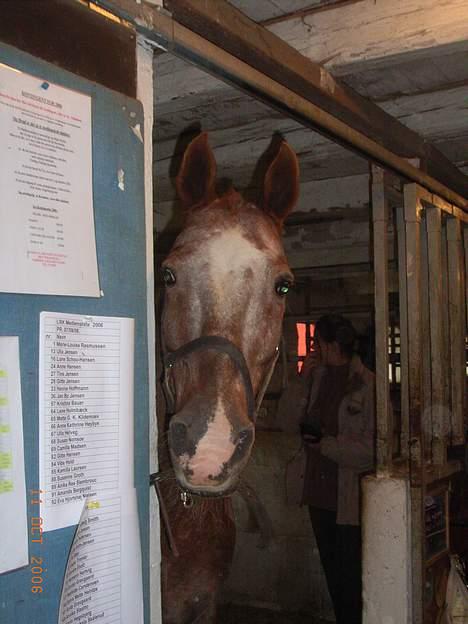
(222, 345)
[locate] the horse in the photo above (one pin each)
(225, 281)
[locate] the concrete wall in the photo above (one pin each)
(386, 526)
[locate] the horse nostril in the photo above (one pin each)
(245, 436)
(178, 435)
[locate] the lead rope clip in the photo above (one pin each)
(186, 498)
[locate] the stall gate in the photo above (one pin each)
(118, 199)
(406, 512)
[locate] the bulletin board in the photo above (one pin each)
(119, 218)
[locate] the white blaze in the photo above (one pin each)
(214, 449)
(230, 254)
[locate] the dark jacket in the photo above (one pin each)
(352, 449)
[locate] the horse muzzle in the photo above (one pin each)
(208, 463)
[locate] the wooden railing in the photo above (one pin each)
(431, 240)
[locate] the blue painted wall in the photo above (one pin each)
(120, 239)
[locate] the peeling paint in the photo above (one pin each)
(121, 179)
(327, 82)
(136, 129)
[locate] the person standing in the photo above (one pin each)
(334, 411)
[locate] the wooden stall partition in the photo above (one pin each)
(432, 313)
(457, 327)
(447, 299)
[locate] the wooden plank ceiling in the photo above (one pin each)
(408, 56)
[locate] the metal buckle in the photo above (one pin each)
(187, 499)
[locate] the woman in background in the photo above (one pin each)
(333, 400)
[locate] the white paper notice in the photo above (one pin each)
(85, 412)
(103, 580)
(13, 519)
(47, 241)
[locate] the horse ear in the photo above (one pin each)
(281, 185)
(196, 178)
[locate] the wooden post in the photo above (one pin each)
(439, 367)
(403, 304)
(457, 304)
(384, 420)
(465, 246)
(446, 330)
(412, 347)
(426, 411)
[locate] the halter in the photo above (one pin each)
(222, 345)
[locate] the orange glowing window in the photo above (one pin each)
(305, 332)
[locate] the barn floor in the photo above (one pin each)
(235, 614)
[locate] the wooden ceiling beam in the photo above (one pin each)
(325, 5)
(225, 26)
(244, 54)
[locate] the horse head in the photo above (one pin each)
(225, 278)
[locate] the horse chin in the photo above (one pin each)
(214, 492)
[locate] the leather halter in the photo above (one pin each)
(222, 345)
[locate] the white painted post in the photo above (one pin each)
(386, 556)
(145, 95)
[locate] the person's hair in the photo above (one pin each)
(335, 328)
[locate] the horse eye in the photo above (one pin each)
(282, 287)
(168, 276)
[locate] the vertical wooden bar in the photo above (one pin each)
(446, 330)
(465, 278)
(412, 346)
(426, 411)
(384, 420)
(457, 303)
(403, 320)
(439, 367)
